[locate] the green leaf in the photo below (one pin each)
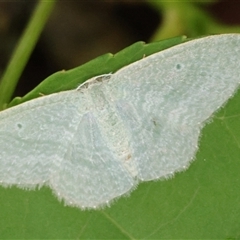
(107, 63)
(200, 203)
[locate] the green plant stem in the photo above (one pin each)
(23, 50)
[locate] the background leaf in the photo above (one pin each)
(107, 63)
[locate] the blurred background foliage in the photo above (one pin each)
(78, 31)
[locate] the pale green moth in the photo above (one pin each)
(95, 143)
